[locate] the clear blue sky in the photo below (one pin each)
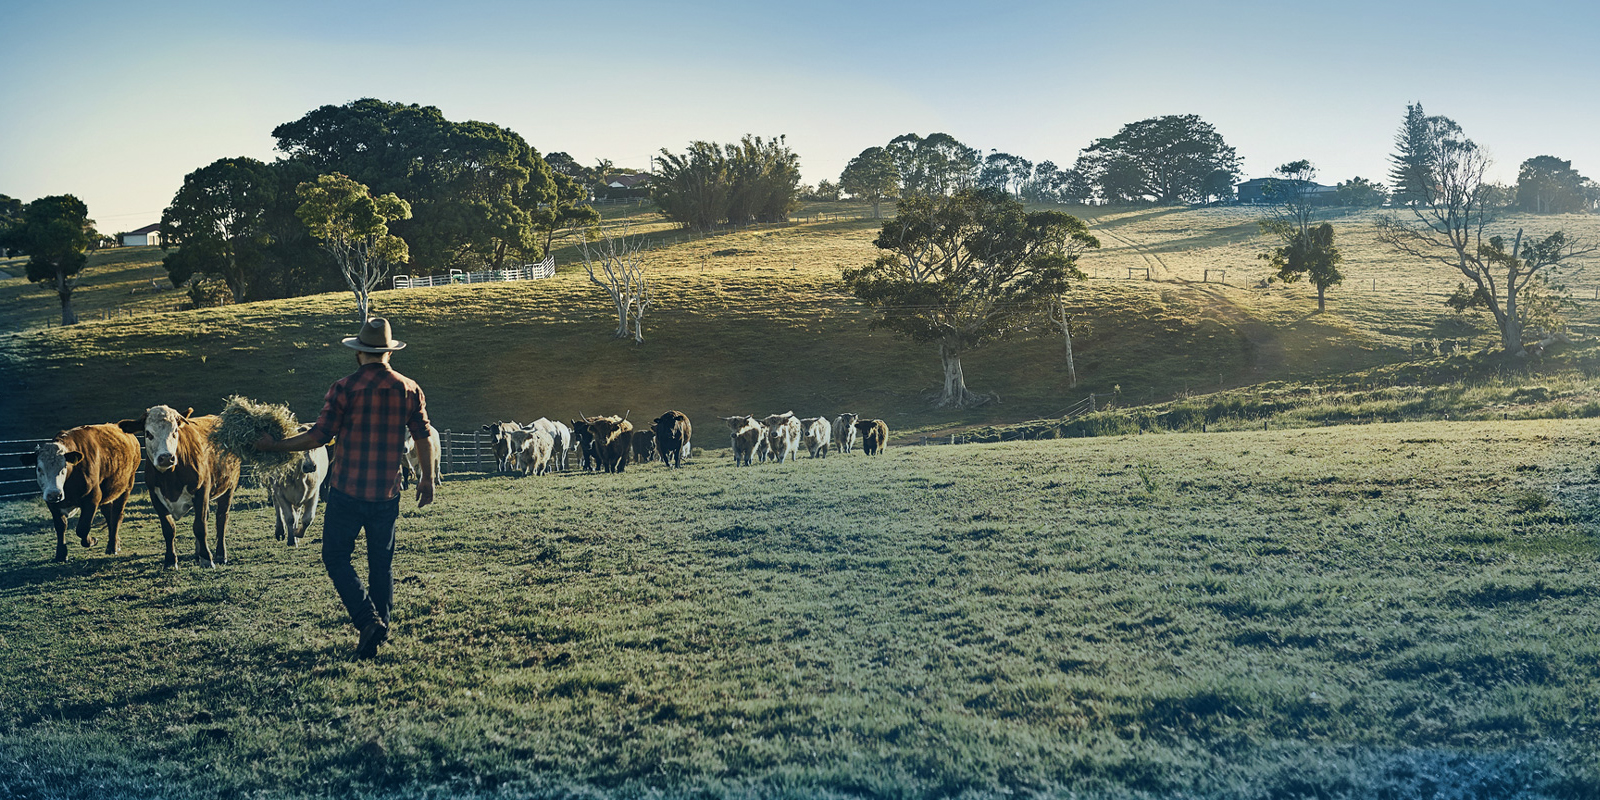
(116, 102)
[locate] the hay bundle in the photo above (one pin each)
(243, 422)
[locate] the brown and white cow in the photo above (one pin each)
(295, 494)
(815, 434)
(611, 442)
(183, 470)
(783, 436)
(747, 435)
(844, 432)
(874, 435)
(672, 437)
(86, 468)
(411, 464)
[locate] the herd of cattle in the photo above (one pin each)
(93, 466)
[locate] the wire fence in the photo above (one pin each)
(525, 272)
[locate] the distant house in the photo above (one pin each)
(148, 235)
(1255, 190)
(637, 180)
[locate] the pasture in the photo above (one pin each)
(1372, 611)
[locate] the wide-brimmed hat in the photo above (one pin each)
(375, 337)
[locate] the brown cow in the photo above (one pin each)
(86, 468)
(182, 469)
(672, 437)
(611, 442)
(748, 435)
(583, 440)
(874, 435)
(644, 446)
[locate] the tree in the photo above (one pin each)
(755, 180)
(1449, 224)
(1171, 159)
(966, 270)
(871, 176)
(692, 189)
(615, 263)
(55, 232)
(1416, 150)
(569, 211)
(1307, 250)
(1361, 193)
(1549, 185)
(218, 221)
(10, 217)
(354, 228)
(936, 165)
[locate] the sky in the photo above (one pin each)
(116, 101)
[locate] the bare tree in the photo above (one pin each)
(1057, 312)
(615, 263)
(1449, 224)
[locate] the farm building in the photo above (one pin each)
(148, 235)
(1255, 190)
(638, 180)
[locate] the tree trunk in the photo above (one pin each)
(64, 292)
(1322, 300)
(1072, 368)
(955, 382)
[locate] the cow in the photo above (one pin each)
(535, 451)
(183, 470)
(411, 466)
(644, 445)
(874, 435)
(584, 442)
(783, 436)
(672, 437)
(844, 432)
(560, 437)
(294, 494)
(500, 433)
(747, 436)
(815, 435)
(611, 442)
(85, 468)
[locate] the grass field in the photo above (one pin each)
(1378, 611)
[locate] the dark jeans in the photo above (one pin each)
(341, 524)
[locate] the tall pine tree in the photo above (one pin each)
(1415, 157)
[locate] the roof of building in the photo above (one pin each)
(152, 228)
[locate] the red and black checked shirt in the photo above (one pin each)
(369, 411)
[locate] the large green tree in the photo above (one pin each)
(1361, 193)
(1549, 185)
(353, 225)
(10, 217)
(218, 222)
(1171, 159)
(569, 211)
(1415, 156)
(937, 164)
(871, 176)
(55, 232)
(966, 270)
(754, 180)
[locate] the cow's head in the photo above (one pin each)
(849, 420)
(158, 427)
(736, 424)
(777, 422)
(53, 462)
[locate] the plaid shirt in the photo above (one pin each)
(369, 411)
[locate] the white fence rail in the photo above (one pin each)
(526, 272)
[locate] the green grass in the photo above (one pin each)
(1373, 611)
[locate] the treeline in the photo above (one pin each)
(756, 180)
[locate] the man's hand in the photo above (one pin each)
(424, 491)
(267, 444)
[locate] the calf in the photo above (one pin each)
(182, 469)
(783, 436)
(560, 438)
(86, 468)
(583, 440)
(536, 452)
(815, 434)
(411, 466)
(844, 432)
(611, 442)
(644, 446)
(672, 437)
(500, 433)
(874, 435)
(294, 495)
(747, 436)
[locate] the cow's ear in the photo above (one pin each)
(73, 458)
(28, 459)
(133, 426)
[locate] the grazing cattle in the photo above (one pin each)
(411, 467)
(672, 437)
(815, 434)
(583, 440)
(500, 432)
(783, 436)
(644, 445)
(86, 468)
(535, 452)
(560, 435)
(294, 495)
(874, 435)
(748, 435)
(844, 432)
(182, 469)
(611, 442)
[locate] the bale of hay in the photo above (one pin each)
(243, 422)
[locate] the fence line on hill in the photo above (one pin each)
(525, 272)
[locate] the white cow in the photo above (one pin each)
(411, 466)
(783, 436)
(815, 434)
(844, 432)
(748, 436)
(294, 496)
(535, 450)
(560, 435)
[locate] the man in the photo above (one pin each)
(369, 411)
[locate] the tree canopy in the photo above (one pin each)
(966, 270)
(935, 165)
(55, 232)
(1549, 185)
(755, 180)
(353, 226)
(871, 176)
(1361, 193)
(1415, 157)
(1171, 159)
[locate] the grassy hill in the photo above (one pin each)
(747, 321)
(1374, 611)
